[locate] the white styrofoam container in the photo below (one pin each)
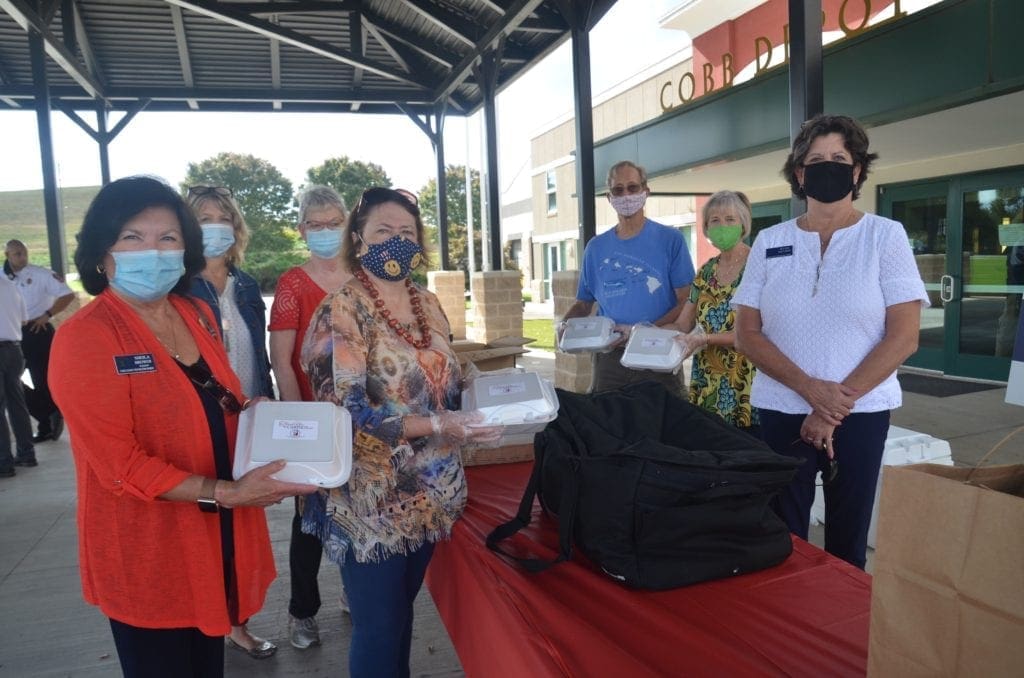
(652, 348)
(522, 402)
(314, 438)
(902, 447)
(593, 333)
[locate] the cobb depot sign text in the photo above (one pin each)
(683, 91)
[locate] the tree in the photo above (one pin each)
(264, 196)
(455, 176)
(348, 177)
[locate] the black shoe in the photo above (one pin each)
(7, 473)
(42, 437)
(56, 425)
(26, 462)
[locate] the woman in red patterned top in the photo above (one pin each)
(300, 290)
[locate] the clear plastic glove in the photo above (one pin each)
(692, 341)
(464, 427)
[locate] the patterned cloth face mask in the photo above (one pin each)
(630, 204)
(217, 239)
(392, 259)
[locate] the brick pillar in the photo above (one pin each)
(497, 306)
(573, 371)
(450, 288)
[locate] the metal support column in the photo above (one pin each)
(51, 197)
(806, 91)
(578, 15)
(487, 78)
(103, 141)
(435, 132)
(442, 187)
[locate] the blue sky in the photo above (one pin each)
(626, 41)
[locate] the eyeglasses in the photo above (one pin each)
(380, 194)
(197, 191)
(631, 189)
(333, 225)
(201, 376)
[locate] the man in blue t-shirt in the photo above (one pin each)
(638, 272)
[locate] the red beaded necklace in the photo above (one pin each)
(417, 309)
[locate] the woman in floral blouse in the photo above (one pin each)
(379, 347)
(721, 377)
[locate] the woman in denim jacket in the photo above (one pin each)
(240, 311)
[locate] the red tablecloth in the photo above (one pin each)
(805, 617)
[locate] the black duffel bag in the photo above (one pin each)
(655, 491)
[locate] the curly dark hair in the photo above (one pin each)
(854, 137)
(115, 205)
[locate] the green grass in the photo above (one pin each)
(22, 216)
(543, 331)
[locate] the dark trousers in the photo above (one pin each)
(380, 596)
(609, 374)
(849, 499)
(36, 347)
(12, 400)
(304, 553)
(167, 653)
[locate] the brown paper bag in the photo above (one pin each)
(948, 591)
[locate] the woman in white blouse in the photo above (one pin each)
(829, 307)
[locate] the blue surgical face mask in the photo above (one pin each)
(392, 259)
(325, 243)
(217, 239)
(147, 275)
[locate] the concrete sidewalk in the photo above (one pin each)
(49, 631)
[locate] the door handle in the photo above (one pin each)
(946, 288)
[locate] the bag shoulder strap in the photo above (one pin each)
(566, 519)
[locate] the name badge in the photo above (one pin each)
(134, 364)
(774, 252)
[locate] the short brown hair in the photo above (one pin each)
(626, 163)
(854, 138)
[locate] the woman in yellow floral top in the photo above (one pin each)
(721, 378)
(379, 347)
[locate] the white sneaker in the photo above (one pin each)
(303, 632)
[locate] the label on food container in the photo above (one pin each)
(653, 342)
(587, 325)
(295, 429)
(510, 388)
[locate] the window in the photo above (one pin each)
(552, 199)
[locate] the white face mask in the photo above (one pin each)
(629, 204)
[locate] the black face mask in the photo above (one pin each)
(828, 181)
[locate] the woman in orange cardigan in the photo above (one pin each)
(171, 549)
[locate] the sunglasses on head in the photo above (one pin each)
(197, 191)
(201, 376)
(380, 194)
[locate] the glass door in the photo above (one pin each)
(990, 212)
(765, 214)
(922, 209)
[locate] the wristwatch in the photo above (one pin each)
(206, 501)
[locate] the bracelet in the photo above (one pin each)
(435, 423)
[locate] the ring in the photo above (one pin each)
(824, 443)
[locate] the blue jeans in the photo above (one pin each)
(380, 597)
(849, 499)
(12, 399)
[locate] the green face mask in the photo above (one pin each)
(725, 237)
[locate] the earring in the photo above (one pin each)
(100, 269)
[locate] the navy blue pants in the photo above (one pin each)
(849, 499)
(167, 653)
(380, 597)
